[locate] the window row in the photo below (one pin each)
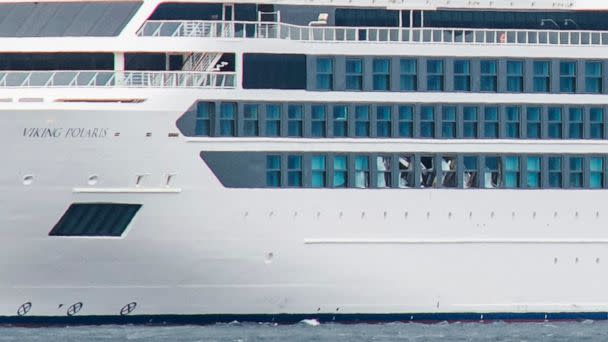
(414, 170)
(229, 119)
(459, 75)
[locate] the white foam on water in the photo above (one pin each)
(311, 322)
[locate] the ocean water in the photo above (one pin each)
(310, 331)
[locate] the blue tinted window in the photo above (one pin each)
(576, 172)
(295, 114)
(273, 171)
(427, 122)
(567, 77)
(325, 73)
(489, 76)
(340, 121)
(470, 173)
(555, 172)
(381, 73)
(294, 171)
(533, 172)
(512, 171)
(406, 121)
(575, 123)
(515, 76)
(362, 121)
(490, 126)
(362, 172)
(593, 77)
(383, 121)
(383, 171)
(492, 172)
(596, 172)
(448, 122)
(554, 123)
(318, 121)
(542, 79)
(354, 74)
(435, 74)
(250, 120)
(462, 75)
(596, 123)
(533, 122)
(228, 119)
(512, 119)
(204, 110)
(469, 122)
(318, 171)
(340, 179)
(409, 74)
(273, 120)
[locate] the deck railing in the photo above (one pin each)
(139, 79)
(277, 30)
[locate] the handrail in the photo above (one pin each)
(131, 79)
(279, 30)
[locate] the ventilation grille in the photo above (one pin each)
(95, 219)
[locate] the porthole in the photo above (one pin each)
(93, 179)
(28, 179)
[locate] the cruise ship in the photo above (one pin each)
(280, 160)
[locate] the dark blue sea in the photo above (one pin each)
(310, 331)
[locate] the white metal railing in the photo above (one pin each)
(278, 30)
(141, 79)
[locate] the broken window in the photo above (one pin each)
(492, 172)
(340, 172)
(470, 178)
(448, 172)
(361, 172)
(383, 167)
(406, 172)
(511, 172)
(427, 171)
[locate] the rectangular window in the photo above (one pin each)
(204, 110)
(273, 171)
(427, 171)
(383, 121)
(533, 122)
(533, 172)
(294, 171)
(434, 75)
(512, 119)
(273, 120)
(490, 124)
(511, 172)
(593, 77)
(406, 121)
(250, 120)
(318, 121)
(362, 121)
(470, 179)
(567, 77)
(295, 114)
(575, 123)
(555, 172)
(469, 124)
(383, 171)
(427, 122)
(448, 171)
(554, 123)
(381, 73)
(596, 123)
(409, 75)
(228, 119)
(340, 121)
(542, 78)
(575, 172)
(318, 171)
(406, 171)
(354, 74)
(448, 122)
(492, 172)
(362, 172)
(462, 75)
(325, 73)
(596, 172)
(340, 172)
(489, 76)
(515, 76)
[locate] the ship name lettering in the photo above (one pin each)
(60, 132)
